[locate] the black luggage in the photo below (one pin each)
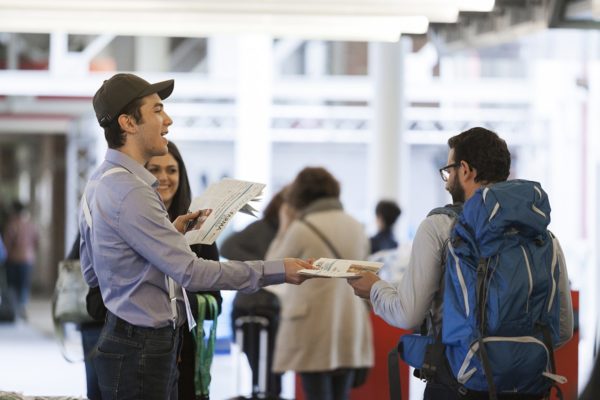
(255, 318)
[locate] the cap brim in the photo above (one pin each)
(163, 89)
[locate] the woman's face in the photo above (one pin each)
(166, 170)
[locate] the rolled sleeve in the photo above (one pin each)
(274, 272)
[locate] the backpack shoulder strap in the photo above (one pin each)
(452, 210)
(84, 203)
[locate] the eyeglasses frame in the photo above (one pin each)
(446, 168)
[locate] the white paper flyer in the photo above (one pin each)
(332, 268)
(225, 198)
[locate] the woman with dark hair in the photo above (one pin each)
(324, 331)
(175, 192)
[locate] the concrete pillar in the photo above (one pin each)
(386, 67)
(152, 54)
(222, 57)
(254, 99)
(13, 49)
(315, 62)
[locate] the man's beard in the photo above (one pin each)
(456, 191)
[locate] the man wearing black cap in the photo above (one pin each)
(138, 258)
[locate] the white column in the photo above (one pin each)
(13, 49)
(386, 67)
(152, 54)
(315, 62)
(590, 301)
(222, 57)
(59, 50)
(254, 99)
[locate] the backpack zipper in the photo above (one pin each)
(461, 279)
(530, 277)
(552, 268)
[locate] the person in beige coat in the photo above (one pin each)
(325, 331)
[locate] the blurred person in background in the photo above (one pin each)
(252, 243)
(21, 240)
(387, 213)
(325, 332)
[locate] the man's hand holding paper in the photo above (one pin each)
(225, 199)
(292, 267)
(362, 285)
(192, 220)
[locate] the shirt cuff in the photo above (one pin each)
(375, 290)
(273, 272)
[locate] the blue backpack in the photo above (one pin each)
(2, 252)
(500, 313)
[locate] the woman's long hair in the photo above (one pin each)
(183, 196)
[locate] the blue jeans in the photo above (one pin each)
(327, 385)
(137, 363)
(90, 334)
(18, 278)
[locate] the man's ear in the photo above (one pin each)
(466, 171)
(127, 123)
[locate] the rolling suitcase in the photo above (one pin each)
(255, 318)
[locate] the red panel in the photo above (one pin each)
(567, 359)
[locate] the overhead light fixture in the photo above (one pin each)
(196, 24)
(476, 5)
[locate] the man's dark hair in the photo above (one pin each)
(312, 183)
(115, 136)
(183, 196)
(483, 150)
(388, 211)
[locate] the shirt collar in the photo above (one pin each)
(123, 160)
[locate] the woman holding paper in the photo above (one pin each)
(175, 192)
(324, 333)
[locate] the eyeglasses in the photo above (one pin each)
(444, 173)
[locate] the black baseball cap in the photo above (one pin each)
(120, 90)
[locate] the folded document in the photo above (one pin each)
(225, 198)
(332, 268)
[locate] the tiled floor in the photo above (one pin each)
(31, 362)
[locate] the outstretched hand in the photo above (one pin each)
(362, 286)
(292, 266)
(192, 220)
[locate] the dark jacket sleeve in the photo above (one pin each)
(251, 243)
(207, 252)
